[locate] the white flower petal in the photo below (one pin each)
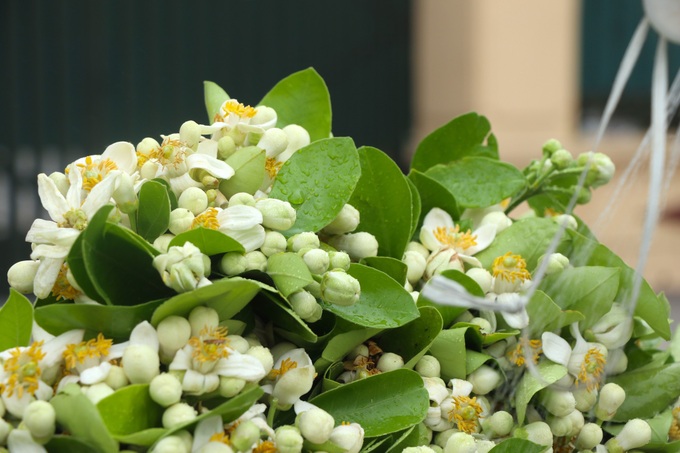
(20, 440)
(437, 218)
(50, 197)
(217, 168)
(205, 429)
(207, 147)
(15, 405)
(95, 374)
(239, 217)
(182, 360)
(48, 232)
(100, 194)
(251, 239)
(74, 194)
(460, 387)
(516, 320)
(144, 334)
(485, 236)
(123, 154)
(556, 348)
(48, 270)
(241, 366)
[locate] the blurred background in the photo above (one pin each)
(79, 75)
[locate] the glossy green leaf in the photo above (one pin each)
(589, 290)
(302, 98)
(466, 135)
(529, 238)
(478, 182)
(317, 181)
(289, 272)
(529, 385)
(278, 311)
(209, 242)
(648, 391)
(64, 443)
(546, 316)
(514, 445)
(227, 296)
(474, 359)
(383, 303)
(214, 96)
(449, 348)
(408, 438)
(153, 214)
(433, 195)
(448, 312)
(416, 206)
(393, 267)
(383, 198)
(79, 416)
(113, 321)
(248, 163)
(382, 404)
(16, 321)
(130, 410)
(411, 341)
(144, 438)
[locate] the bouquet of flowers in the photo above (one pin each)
(257, 285)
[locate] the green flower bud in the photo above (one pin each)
(276, 214)
(190, 133)
(611, 398)
(140, 363)
(274, 141)
(304, 304)
(124, 195)
(460, 442)
(340, 288)
(173, 334)
(349, 437)
(274, 242)
(421, 449)
(256, 261)
(415, 265)
(536, 432)
(484, 325)
(358, 245)
(21, 276)
(418, 247)
(182, 268)
(178, 414)
(498, 219)
(315, 425)
(171, 444)
(561, 159)
(636, 433)
(358, 350)
(288, 439)
(231, 386)
(40, 419)
(225, 147)
(601, 168)
(165, 389)
(614, 329)
(577, 421)
(346, 221)
(589, 437)
(98, 392)
(300, 241)
(61, 181)
(314, 288)
(245, 435)
(559, 426)
(499, 424)
(116, 378)
(584, 196)
(242, 198)
(339, 260)
(193, 199)
(428, 366)
(317, 260)
(556, 263)
(203, 317)
(233, 263)
(484, 379)
(585, 399)
(551, 146)
(390, 361)
(558, 402)
(147, 145)
(181, 220)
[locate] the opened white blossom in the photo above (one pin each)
(464, 411)
(292, 376)
(89, 362)
(240, 222)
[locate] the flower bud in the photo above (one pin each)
(340, 288)
(149, 169)
(584, 196)
(190, 133)
(193, 199)
(238, 343)
(421, 449)
(22, 274)
(551, 146)
(124, 195)
(274, 141)
(414, 246)
(40, 419)
(349, 437)
(317, 260)
(357, 245)
(288, 439)
(499, 424)
(171, 444)
(460, 442)
(339, 260)
(231, 386)
(242, 199)
(635, 433)
(358, 350)
(256, 261)
(98, 392)
(274, 242)
(303, 303)
(178, 414)
(233, 263)
(162, 242)
(316, 425)
(203, 317)
(276, 214)
(140, 363)
(245, 435)
(225, 147)
(181, 220)
(536, 432)
(497, 218)
(346, 221)
(116, 378)
(264, 355)
(61, 181)
(611, 398)
(569, 221)
(589, 437)
(558, 402)
(585, 398)
(301, 241)
(561, 159)
(390, 361)
(577, 421)
(601, 168)
(556, 263)
(147, 145)
(415, 264)
(484, 325)
(182, 268)
(173, 333)
(482, 277)
(165, 389)
(484, 379)
(559, 426)
(428, 366)
(614, 329)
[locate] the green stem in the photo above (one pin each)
(272, 411)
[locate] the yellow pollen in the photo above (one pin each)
(210, 345)
(62, 289)
(239, 109)
(220, 437)
(207, 219)
(286, 366)
(171, 153)
(452, 237)
(74, 218)
(23, 370)
(510, 267)
(518, 356)
(93, 348)
(674, 431)
(141, 159)
(466, 413)
(550, 212)
(266, 446)
(591, 370)
(505, 203)
(94, 172)
(345, 423)
(272, 167)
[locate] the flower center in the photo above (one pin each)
(272, 167)
(220, 437)
(23, 370)
(170, 154)
(210, 345)
(235, 107)
(511, 268)
(466, 413)
(62, 289)
(592, 369)
(74, 218)
(518, 356)
(207, 219)
(94, 172)
(93, 348)
(286, 366)
(452, 237)
(266, 446)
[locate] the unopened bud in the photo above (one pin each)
(390, 361)
(276, 214)
(165, 389)
(558, 402)
(611, 398)
(225, 147)
(339, 260)
(415, 265)
(288, 439)
(556, 263)
(22, 274)
(61, 181)
(193, 199)
(340, 288)
(561, 159)
(124, 195)
(482, 277)
(316, 425)
(264, 355)
(460, 442)
(317, 260)
(568, 221)
(162, 242)
(551, 146)
(181, 220)
(358, 245)
(183, 268)
(601, 168)
(536, 432)
(178, 414)
(304, 304)
(428, 366)
(190, 133)
(300, 241)
(614, 329)
(233, 263)
(40, 419)
(635, 433)
(484, 379)
(499, 424)
(274, 242)
(231, 386)
(140, 363)
(173, 333)
(242, 198)
(589, 437)
(116, 378)
(171, 444)
(98, 392)
(256, 261)
(274, 141)
(498, 219)
(346, 221)
(203, 318)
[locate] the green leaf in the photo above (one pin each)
(130, 410)
(248, 163)
(448, 312)
(289, 272)
(209, 242)
(153, 214)
(113, 321)
(214, 97)
(478, 182)
(383, 198)
(383, 302)
(382, 404)
(393, 267)
(648, 391)
(514, 445)
(283, 317)
(16, 321)
(227, 296)
(144, 438)
(416, 206)
(411, 341)
(546, 316)
(474, 359)
(449, 349)
(343, 339)
(64, 443)
(529, 385)
(302, 98)
(433, 195)
(589, 290)
(463, 136)
(79, 416)
(529, 238)
(317, 181)
(76, 263)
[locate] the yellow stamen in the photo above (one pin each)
(141, 159)
(550, 212)
(272, 167)
(207, 219)
(266, 446)
(62, 289)
(286, 366)
(244, 111)
(172, 152)
(220, 437)
(674, 431)
(93, 348)
(74, 218)
(466, 413)
(94, 172)
(452, 237)
(510, 267)
(210, 345)
(518, 356)
(23, 370)
(505, 203)
(592, 369)
(345, 423)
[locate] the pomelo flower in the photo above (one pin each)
(461, 409)
(292, 376)
(89, 362)
(440, 233)
(240, 119)
(240, 222)
(119, 156)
